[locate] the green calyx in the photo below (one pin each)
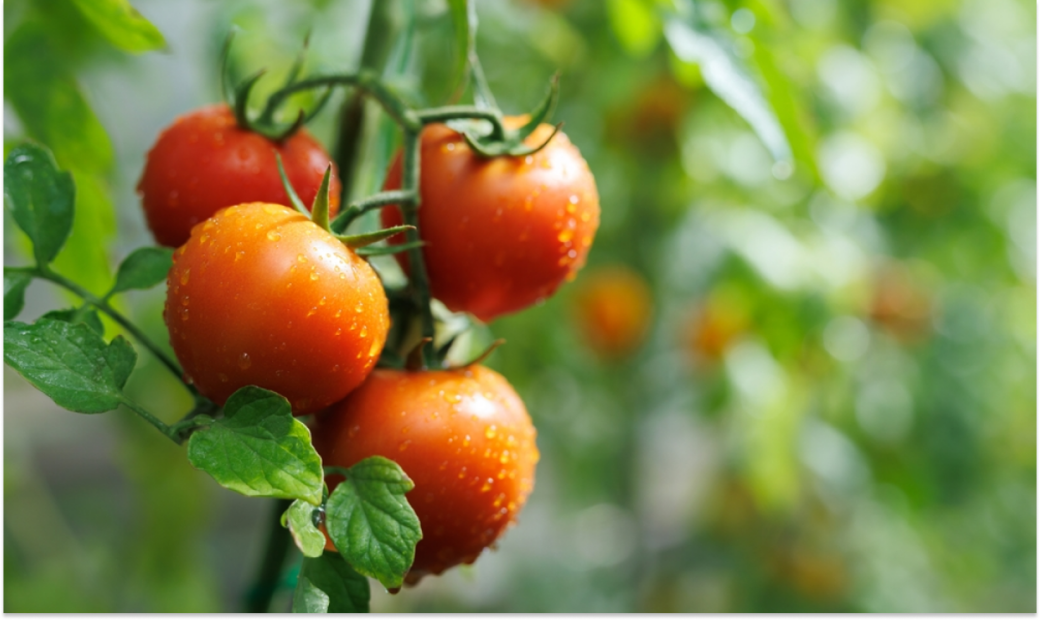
(319, 214)
(511, 141)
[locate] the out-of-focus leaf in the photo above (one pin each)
(143, 269)
(41, 199)
(49, 103)
(300, 521)
(371, 522)
(464, 20)
(726, 75)
(635, 24)
(84, 259)
(86, 316)
(15, 284)
(327, 584)
(121, 24)
(70, 362)
(258, 449)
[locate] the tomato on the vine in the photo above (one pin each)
(464, 438)
(612, 311)
(204, 162)
(501, 233)
(260, 295)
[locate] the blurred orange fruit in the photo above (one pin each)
(613, 309)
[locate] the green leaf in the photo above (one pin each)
(464, 22)
(44, 94)
(727, 76)
(327, 584)
(635, 24)
(70, 362)
(143, 269)
(258, 449)
(300, 521)
(371, 522)
(41, 199)
(121, 24)
(86, 316)
(15, 283)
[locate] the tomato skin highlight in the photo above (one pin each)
(260, 295)
(204, 162)
(502, 233)
(464, 437)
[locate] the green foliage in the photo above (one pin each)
(300, 521)
(85, 315)
(327, 584)
(727, 77)
(40, 198)
(15, 283)
(371, 523)
(143, 269)
(258, 449)
(70, 362)
(122, 25)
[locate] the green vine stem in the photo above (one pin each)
(279, 542)
(45, 273)
(417, 266)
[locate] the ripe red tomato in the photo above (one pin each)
(501, 233)
(260, 295)
(464, 438)
(612, 311)
(204, 162)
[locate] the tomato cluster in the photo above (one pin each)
(260, 294)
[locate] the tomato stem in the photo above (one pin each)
(163, 428)
(359, 208)
(461, 112)
(44, 273)
(417, 265)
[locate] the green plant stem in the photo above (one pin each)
(458, 112)
(416, 264)
(365, 80)
(45, 273)
(359, 208)
(279, 541)
(163, 428)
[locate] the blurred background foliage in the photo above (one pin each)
(797, 374)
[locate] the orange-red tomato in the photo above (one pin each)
(204, 162)
(464, 438)
(715, 325)
(260, 295)
(901, 303)
(501, 233)
(612, 311)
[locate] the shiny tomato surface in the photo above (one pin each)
(260, 295)
(464, 438)
(501, 233)
(204, 162)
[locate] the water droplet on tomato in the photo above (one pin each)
(273, 235)
(487, 485)
(244, 362)
(565, 235)
(462, 473)
(364, 331)
(223, 378)
(184, 276)
(490, 432)
(404, 445)
(314, 276)
(353, 430)
(465, 442)
(312, 312)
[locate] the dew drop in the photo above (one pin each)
(244, 362)
(223, 378)
(273, 235)
(462, 473)
(465, 442)
(184, 276)
(353, 430)
(490, 432)
(404, 445)
(364, 331)
(487, 485)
